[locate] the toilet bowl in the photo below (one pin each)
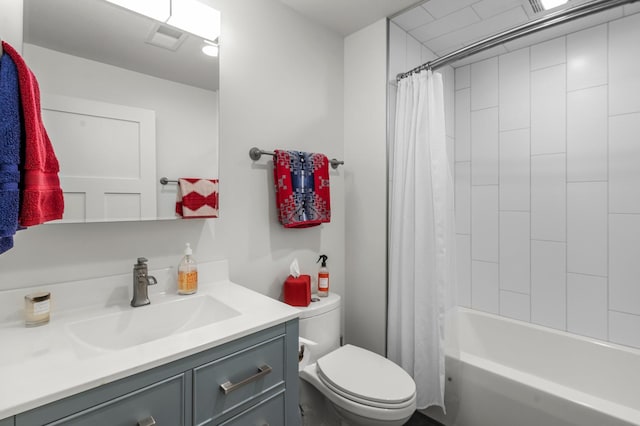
(362, 387)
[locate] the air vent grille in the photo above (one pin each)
(166, 37)
(536, 6)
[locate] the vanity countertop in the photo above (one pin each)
(46, 363)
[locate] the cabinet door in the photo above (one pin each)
(162, 403)
(7, 422)
(247, 375)
(269, 412)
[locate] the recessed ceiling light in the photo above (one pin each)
(210, 49)
(550, 4)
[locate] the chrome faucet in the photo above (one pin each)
(141, 281)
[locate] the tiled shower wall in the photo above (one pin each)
(547, 171)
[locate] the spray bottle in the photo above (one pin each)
(323, 277)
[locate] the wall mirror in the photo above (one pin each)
(126, 101)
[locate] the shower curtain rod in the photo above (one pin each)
(530, 27)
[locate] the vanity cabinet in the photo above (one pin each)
(251, 380)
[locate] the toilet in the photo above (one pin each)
(347, 385)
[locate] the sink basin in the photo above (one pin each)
(135, 326)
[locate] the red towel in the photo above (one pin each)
(41, 197)
(302, 188)
(197, 198)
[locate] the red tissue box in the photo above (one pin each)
(297, 291)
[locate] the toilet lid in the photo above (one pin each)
(365, 376)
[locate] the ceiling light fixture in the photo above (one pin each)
(191, 16)
(550, 4)
(154, 9)
(210, 48)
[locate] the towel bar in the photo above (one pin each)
(164, 181)
(256, 153)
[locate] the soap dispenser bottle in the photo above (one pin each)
(323, 277)
(187, 273)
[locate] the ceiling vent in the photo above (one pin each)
(536, 6)
(166, 37)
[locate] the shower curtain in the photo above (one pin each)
(421, 235)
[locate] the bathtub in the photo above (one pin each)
(502, 372)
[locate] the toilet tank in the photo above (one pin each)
(320, 323)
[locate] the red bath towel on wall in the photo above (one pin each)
(302, 188)
(41, 198)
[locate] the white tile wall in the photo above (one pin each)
(587, 305)
(587, 58)
(549, 53)
(484, 286)
(548, 284)
(484, 147)
(463, 248)
(623, 328)
(484, 83)
(548, 197)
(548, 110)
(515, 305)
(513, 85)
(624, 263)
(463, 124)
(624, 161)
(555, 206)
(515, 177)
(587, 124)
(515, 268)
(463, 197)
(587, 228)
(484, 223)
(463, 77)
(624, 62)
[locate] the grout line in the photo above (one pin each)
(530, 198)
(608, 216)
(566, 185)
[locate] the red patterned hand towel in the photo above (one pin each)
(197, 198)
(302, 188)
(41, 197)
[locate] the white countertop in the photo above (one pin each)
(42, 364)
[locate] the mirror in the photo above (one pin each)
(126, 101)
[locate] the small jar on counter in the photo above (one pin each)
(37, 308)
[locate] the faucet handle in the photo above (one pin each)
(142, 261)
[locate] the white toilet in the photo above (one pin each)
(363, 388)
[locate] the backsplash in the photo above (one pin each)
(548, 183)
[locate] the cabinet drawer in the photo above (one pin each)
(164, 401)
(269, 412)
(241, 371)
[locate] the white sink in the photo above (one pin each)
(134, 326)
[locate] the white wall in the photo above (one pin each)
(547, 178)
(369, 125)
(281, 86)
(11, 22)
(365, 180)
(186, 116)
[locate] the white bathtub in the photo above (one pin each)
(512, 373)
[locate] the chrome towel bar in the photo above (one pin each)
(256, 153)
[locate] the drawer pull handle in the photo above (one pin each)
(149, 421)
(229, 387)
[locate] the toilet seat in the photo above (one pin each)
(366, 378)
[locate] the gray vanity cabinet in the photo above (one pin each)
(251, 380)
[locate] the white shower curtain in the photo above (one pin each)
(421, 235)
